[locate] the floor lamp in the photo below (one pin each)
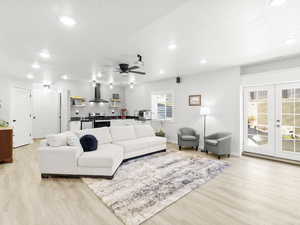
(204, 111)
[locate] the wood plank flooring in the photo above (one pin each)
(251, 192)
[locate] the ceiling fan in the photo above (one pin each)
(125, 69)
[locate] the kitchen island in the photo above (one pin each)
(79, 123)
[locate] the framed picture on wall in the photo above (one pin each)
(195, 100)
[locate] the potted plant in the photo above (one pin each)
(3, 123)
(161, 132)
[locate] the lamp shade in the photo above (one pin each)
(204, 111)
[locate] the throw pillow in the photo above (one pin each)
(56, 140)
(89, 143)
(73, 140)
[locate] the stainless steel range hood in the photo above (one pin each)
(98, 98)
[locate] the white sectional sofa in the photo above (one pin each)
(63, 155)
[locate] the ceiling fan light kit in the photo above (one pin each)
(124, 68)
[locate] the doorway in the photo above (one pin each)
(21, 116)
(272, 120)
(46, 112)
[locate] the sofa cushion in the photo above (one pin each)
(122, 133)
(102, 134)
(144, 131)
(105, 157)
(188, 138)
(133, 145)
(57, 140)
(155, 141)
(211, 141)
(89, 143)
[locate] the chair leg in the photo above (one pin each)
(206, 152)
(196, 148)
(228, 155)
(219, 157)
(179, 148)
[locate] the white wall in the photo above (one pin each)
(271, 77)
(220, 92)
(271, 65)
(5, 95)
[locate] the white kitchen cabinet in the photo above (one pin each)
(75, 125)
(87, 125)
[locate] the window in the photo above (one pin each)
(162, 106)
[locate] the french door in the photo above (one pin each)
(272, 120)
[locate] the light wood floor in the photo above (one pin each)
(251, 192)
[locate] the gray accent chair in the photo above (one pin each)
(219, 144)
(187, 137)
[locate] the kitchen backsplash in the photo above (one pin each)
(94, 108)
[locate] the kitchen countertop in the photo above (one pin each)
(102, 118)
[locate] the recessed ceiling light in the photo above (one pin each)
(203, 61)
(30, 76)
(111, 86)
(131, 85)
(99, 74)
(64, 77)
(277, 3)
(172, 46)
(45, 54)
(290, 41)
(35, 65)
(161, 71)
(67, 21)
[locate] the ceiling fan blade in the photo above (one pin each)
(141, 73)
(133, 68)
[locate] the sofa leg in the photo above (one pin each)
(196, 148)
(219, 157)
(228, 155)
(179, 148)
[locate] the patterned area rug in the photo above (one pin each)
(144, 186)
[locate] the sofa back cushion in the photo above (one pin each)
(102, 134)
(144, 131)
(122, 133)
(57, 140)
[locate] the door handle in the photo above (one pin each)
(278, 123)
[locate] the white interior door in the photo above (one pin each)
(46, 112)
(259, 116)
(288, 121)
(21, 116)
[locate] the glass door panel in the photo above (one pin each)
(289, 115)
(258, 111)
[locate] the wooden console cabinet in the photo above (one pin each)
(6, 145)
